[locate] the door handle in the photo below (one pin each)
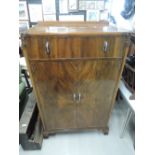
(105, 46)
(47, 48)
(74, 97)
(79, 97)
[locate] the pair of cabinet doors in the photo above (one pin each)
(75, 93)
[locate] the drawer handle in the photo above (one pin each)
(47, 48)
(105, 46)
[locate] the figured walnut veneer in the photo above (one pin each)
(76, 82)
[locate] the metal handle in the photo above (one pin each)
(74, 96)
(79, 97)
(105, 46)
(47, 47)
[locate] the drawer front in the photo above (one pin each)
(68, 47)
(106, 46)
(43, 47)
(90, 47)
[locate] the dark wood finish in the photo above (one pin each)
(77, 81)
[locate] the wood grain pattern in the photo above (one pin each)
(74, 47)
(57, 82)
(76, 84)
(125, 49)
(31, 69)
(96, 85)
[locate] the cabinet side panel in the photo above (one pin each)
(25, 44)
(125, 49)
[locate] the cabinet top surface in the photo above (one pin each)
(85, 28)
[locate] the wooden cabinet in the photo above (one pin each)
(75, 74)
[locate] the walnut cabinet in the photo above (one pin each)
(75, 72)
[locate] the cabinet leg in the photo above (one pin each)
(105, 130)
(53, 134)
(45, 135)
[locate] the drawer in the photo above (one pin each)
(41, 47)
(44, 47)
(69, 47)
(104, 46)
(90, 47)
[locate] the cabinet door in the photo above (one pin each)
(55, 85)
(97, 80)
